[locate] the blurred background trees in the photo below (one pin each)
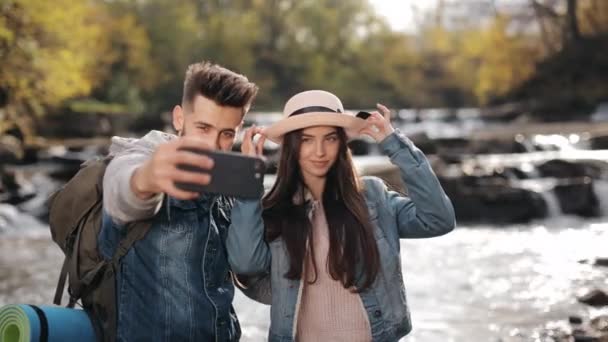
(128, 57)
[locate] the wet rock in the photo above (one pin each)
(429, 148)
(583, 336)
(575, 320)
(599, 142)
(579, 329)
(13, 190)
(499, 146)
(601, 262)
(558, 168)
(451, 150)
(424, 143)
(595, 298)
(492, 200)
(11, 149)
(577, 197)
(600, 323)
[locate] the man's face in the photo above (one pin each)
(214, 124)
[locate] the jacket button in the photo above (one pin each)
(378, 313)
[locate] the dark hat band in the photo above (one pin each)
(313, 109)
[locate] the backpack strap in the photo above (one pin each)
(70, 266)
(61, 283)
(136, 232)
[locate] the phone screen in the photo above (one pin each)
(233, 174)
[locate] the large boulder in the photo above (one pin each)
(599, 142)
(492, 200)
(577, 197)
(597, 298)
(558, 168)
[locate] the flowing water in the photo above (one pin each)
(478, 283)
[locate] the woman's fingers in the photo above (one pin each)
(378, 124)
(386, 113)
(369, 131)
(247, 144)
(249, 147)
(260, 145)
(377, 117)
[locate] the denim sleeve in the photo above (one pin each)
(109, 237)
(426, 211)
(248, 252)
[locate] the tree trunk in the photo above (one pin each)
(543, 30)
(573, 31)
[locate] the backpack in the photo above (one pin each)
(75, 215)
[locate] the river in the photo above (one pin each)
(478, 283)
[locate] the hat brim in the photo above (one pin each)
(350, 123)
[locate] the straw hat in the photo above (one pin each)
(313, 108)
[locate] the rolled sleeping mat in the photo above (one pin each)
(30, 323)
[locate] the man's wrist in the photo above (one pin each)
(137, 187)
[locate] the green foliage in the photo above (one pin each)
(129, 57)
(44, 59)
(94, 106)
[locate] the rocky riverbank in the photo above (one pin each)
(593, 328)
(500, 180)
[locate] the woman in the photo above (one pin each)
(327, 240)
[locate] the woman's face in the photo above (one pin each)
(319, 149)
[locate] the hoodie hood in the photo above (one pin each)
(147, 143)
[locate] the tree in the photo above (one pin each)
(51, 51)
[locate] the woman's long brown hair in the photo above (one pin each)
(351, 238)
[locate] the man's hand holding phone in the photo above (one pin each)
(160, 173)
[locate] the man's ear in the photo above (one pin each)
(178, 119)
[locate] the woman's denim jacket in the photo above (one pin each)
(425, 212)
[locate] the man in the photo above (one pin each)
(175, 283)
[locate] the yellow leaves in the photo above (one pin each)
(486, 60)
(62, 49)
(593, 16)
(505, 61)
(441, 40)
(53, 51)
(61, 82)
(5, 33)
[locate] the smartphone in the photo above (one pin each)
(233, 174)
(363, 115)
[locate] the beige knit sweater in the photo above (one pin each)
(328, 311)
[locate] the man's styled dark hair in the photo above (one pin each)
(223, 86)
